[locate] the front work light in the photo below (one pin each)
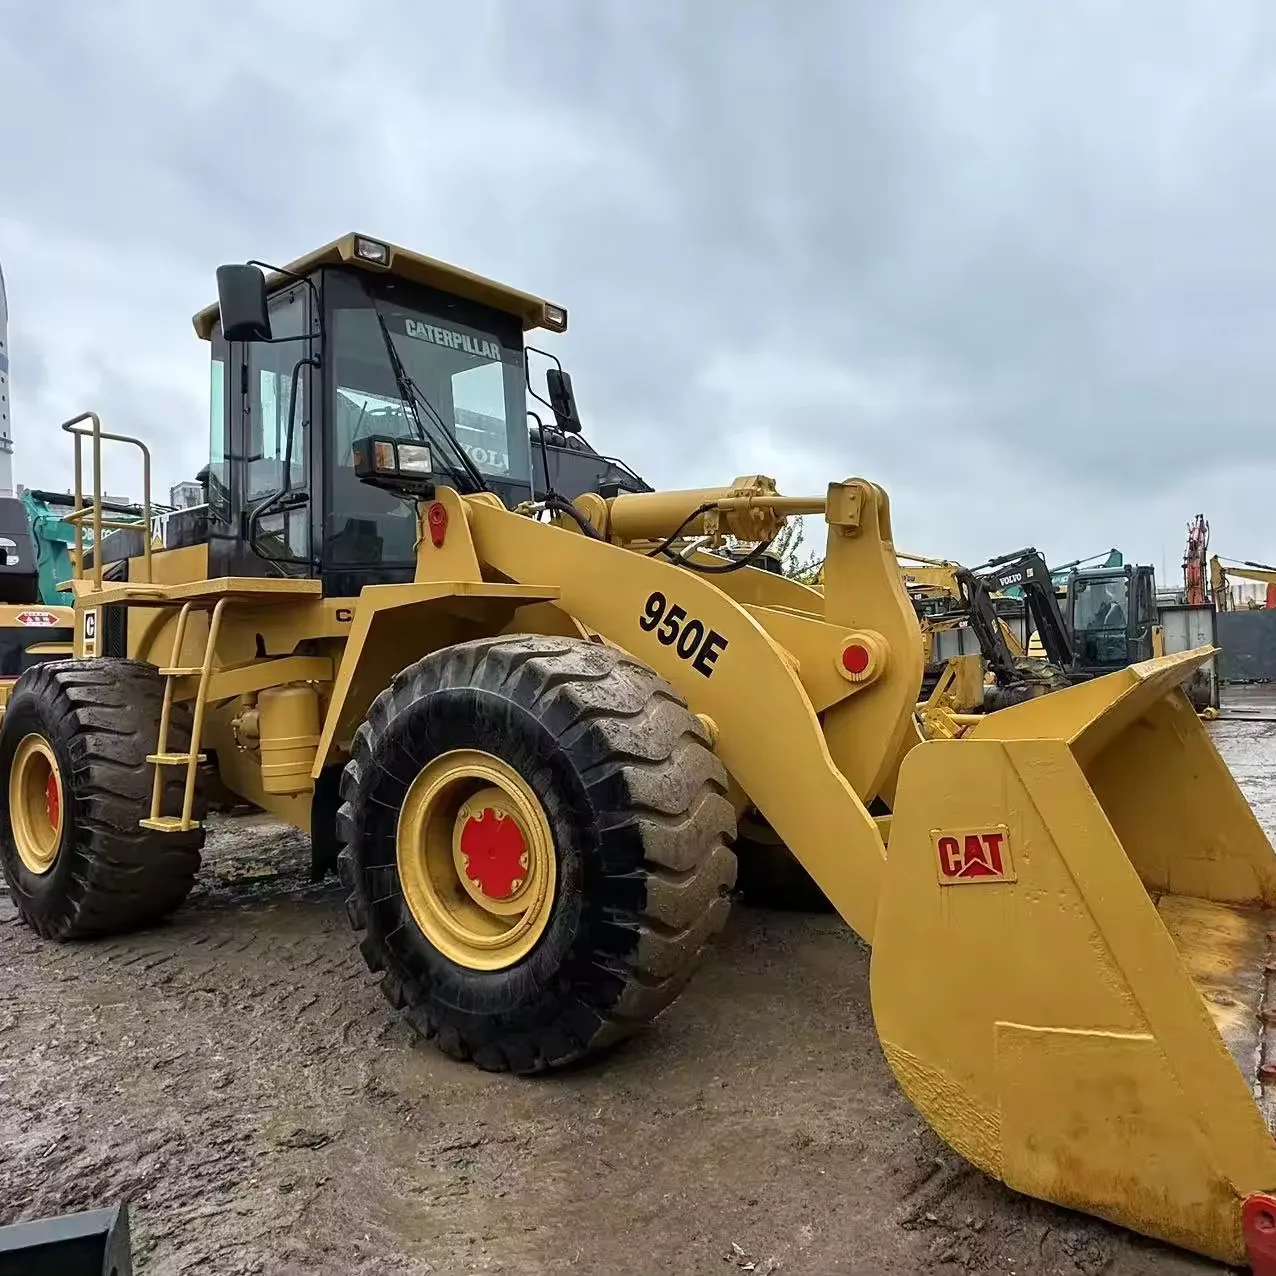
(406, 469)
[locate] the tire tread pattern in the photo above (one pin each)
(663, 822)
(104, 713)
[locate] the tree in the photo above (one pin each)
(796, 563)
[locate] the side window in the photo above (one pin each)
(1147, 600)
(270, 379)
(478, 406)
(218, 477)
(277, 458)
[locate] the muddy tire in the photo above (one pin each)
(636, 821)
(90, 870)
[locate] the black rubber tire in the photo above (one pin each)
(770, 876)
(636, 802)
(101, 718)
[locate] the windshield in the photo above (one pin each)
(1100, 604)
(468, 364)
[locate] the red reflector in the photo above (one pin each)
(855, 658)
(436, 520)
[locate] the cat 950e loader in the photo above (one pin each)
(526, 726)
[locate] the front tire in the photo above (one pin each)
(598, 866)
(73, 745)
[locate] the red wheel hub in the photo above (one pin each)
(52, 800)
(495, 853)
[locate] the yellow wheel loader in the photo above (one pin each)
(527, 727)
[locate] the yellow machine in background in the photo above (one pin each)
(31, 632)
(1220, 572)
(531, 734)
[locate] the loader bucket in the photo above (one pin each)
(1072, 971)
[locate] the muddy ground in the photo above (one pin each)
(237, 1078)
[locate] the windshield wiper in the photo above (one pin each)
(411, 395)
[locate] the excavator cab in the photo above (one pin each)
(1111, 615)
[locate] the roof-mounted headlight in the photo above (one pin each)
(372, 252)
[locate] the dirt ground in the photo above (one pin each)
(237, 1079)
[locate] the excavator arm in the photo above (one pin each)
(1263, 573)
(1027, 569)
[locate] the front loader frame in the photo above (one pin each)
(837, 679)
(1029, 855)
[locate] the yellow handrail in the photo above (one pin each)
(75, 428)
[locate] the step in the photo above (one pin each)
(179, 672)
(168, 824)
(173, 759)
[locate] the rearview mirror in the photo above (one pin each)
(241, 298)
(563, 401)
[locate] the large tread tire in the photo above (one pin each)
(101, 718)
(636, 801)
(770, 875)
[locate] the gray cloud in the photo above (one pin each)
(1012, 262)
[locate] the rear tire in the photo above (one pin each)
(94, 721)
(770, 875)
(635, 817)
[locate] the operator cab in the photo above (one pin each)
(1111, 613)
(356, 342)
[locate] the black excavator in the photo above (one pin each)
(1018, 677)
(1107, 621)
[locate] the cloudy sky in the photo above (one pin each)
(1015, 262)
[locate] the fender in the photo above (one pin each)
(390, 630)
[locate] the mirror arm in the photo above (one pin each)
(279, 341)
(296, 278)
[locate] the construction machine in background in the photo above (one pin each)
(570, 466)
(1221, 573)
(1195, 569)
(32, 630)
(1106, 620)
(970, 647)
(1113, 618)
(51, 541)
(952, 599)
(525, 736)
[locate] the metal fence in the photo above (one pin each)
(1248, 640)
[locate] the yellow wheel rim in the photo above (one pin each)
(35, 803)
(476, 860)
